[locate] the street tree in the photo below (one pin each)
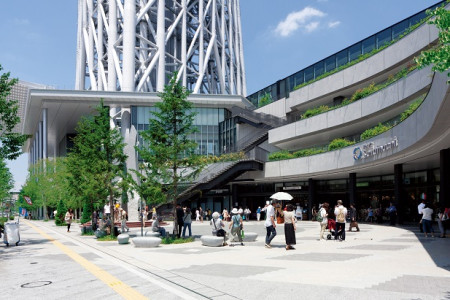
(168, 153)
(46, 184)
(96, 163)
(6, 183)
(10, 141)
(438, 56)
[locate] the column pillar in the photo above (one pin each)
(44, 134)
(311, 196)
(444, 170)
(352, 189)
(398, 191)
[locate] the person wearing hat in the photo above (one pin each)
(236, 226)
(216, 226)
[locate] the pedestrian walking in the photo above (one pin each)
(187, 221)
(68, 218)
(270, 223)
(392, 212)
(353, 218)
(289, 227)
(123, 220)
(420, 207)
(236, 226)
(427, 220)
(341, 213)
(179, 215)
(324, 215)
(258, 213)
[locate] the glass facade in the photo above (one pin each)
(207, 122)
(341, 58)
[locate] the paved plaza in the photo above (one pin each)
(379, 262)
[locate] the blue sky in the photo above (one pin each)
(38, 38)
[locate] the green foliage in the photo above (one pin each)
(438, 56)
(88, 233)
(412, 108)
(107, 238)
(6, 182)
(371, 132)
(61, 210)
(11, 218)
(167, 151)
(2, 221)
(46, 184)
(171, 240)
(266, 99)
(361, 93)
(308, 152)
(280, 155)
(339, 143)
(210, 159)
(88, 208)
(315, 111)
(10, 141)
(95, 166)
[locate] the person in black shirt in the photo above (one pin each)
(179, 217)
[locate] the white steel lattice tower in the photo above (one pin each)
(134, 45)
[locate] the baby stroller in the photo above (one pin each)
(331, 227)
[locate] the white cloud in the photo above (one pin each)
(17, 21)
(298, 19)
(311, 26)
(333, 24)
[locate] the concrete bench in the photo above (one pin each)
(123, 238)
(212, 241)
(248, 237)
(146, 241)
(152, 233)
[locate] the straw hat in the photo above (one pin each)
(215, 215)
(235, 211)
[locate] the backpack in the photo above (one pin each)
(340, 217)
(319, 217)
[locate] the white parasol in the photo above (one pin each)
(281, 196)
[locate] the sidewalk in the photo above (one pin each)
(377, 262)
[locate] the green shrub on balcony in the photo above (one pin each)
(371, 132)
(308, 152)
(315, 111)
(280, 155)
(412, 108)
(266, 99)
(339, 143)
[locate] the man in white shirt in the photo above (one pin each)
(420, 212)
(270, 223)
(107, 210)
(341, 213)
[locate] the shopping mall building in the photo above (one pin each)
(310, 134)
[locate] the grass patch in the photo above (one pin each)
(107, 238)
(171, 240)
(90, 232)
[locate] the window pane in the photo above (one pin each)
(330, 63)
(368, 45)
(398, 29)
(342, 58)
(416, 18)
(309, 74)
(354, 51)
(299, 78)
(319, 69)
(282, 87)
(274, 92)
(384, 37)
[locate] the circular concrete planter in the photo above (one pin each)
(99, 233)
(123, 238)
(212, 241)
(152, 233)
(146, 241)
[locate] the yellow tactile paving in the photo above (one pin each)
(118, 286)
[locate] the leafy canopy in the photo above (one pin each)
(10, 141)
(438, 56)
